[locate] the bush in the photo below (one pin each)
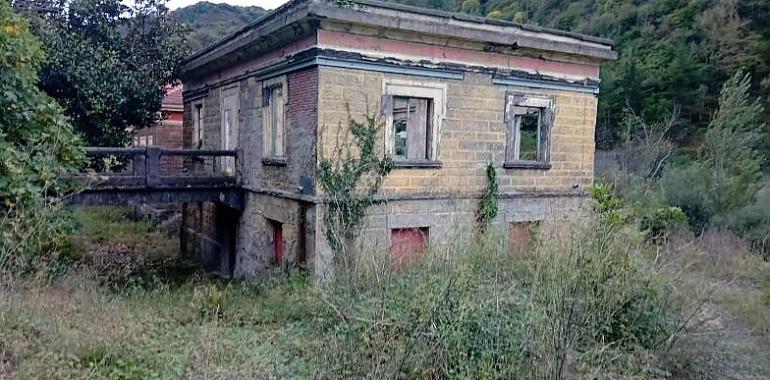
(753, 222)
(684, 187)
(571, 306)
(38, 152)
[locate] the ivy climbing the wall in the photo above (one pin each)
(488, 206)
(350, 180)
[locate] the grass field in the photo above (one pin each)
(134, 309)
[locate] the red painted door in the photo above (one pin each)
(519, 238)
(278, 243)
(407, 244)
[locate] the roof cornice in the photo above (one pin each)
(401, 17)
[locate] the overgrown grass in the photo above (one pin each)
(595, 303)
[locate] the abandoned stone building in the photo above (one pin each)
(454, 91)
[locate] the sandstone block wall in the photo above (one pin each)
(473, 133)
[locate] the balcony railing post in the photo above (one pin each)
(152, 174)
(140, 163)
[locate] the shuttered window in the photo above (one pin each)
(198, 117)
(408, 245)
(273, 103)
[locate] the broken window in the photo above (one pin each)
(197, 137)
(529, 120)
(273, 119)
(413, 113)
(411, 128)
(408, 244)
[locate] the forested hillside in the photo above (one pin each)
(209, 22)
(672, 52)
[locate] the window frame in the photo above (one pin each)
(199, 123)
(228, 164)
(516, 105)
(270, 157)
(436, 92)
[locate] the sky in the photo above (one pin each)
(267, 4)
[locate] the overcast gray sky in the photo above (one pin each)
(267, 4)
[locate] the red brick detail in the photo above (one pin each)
(270, 57)
(303, 99)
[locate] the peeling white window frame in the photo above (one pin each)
(199, 123)
(435, 91)
(267, 116)
(227, 164)
(516, 103)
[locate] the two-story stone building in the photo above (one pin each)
(455, 93)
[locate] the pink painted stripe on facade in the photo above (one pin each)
(258, 62)
(458, 55)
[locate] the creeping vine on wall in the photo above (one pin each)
(350, 180)
(488, 205)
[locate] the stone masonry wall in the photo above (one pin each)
(473, 133)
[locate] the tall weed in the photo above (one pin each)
(586, 303)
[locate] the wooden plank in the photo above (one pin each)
(417, 129)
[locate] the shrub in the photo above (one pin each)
(38, 152)
(684, 187)
(475, 311)
(752, 222)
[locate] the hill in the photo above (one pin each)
(209, 22)
(673, 53)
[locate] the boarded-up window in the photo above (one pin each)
(198, 115)
(529, 121)
(520, 237)
(229, 112)
(407, 244)
(276, 230)
(273, 102)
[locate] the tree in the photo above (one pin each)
(729, 149)
(725, 176)
(38, 151)
(108, 63)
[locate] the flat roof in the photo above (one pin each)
(405, 17)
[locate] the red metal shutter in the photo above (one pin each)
(407, 245)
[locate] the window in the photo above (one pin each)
(198, 116)
(150, 141)
(273, 102)
(411, 128)
(277, 235)
(529, 120)
(413, 112)
(408, 244)
(230, 117)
